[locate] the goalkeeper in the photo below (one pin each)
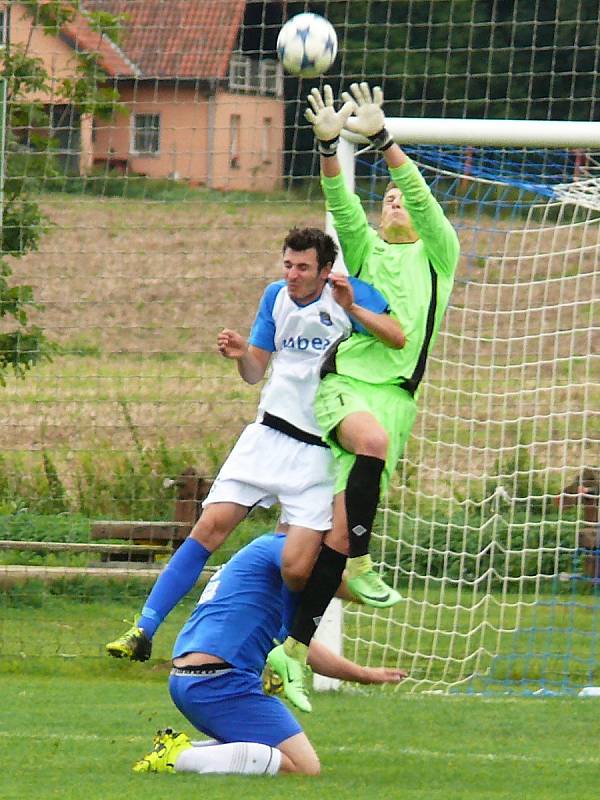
(365, 404)
(215, 683)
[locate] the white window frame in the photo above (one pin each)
(134, 129)
(240, 76)
(270, 77)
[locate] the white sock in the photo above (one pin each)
(249, 758)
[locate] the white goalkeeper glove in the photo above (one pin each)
(327, 123)
(368, 119)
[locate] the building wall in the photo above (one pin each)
(258, 163)
(197, 136)
(183, 139)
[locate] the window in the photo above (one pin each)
(252, 75)
(3, 28)
(265, 143)
(239, 72)
(234, 141)
(146, 133)
(270, 78)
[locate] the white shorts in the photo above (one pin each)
(267, 467)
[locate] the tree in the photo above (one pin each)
(30, 161)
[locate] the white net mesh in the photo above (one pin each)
(509, 409)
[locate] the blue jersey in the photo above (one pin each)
(242, 608)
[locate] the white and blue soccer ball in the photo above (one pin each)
(307, 45)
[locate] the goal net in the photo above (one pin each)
(155, 157)
(499, 590)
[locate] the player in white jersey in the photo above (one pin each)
(280, 457)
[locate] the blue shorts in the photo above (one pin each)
(232, 707)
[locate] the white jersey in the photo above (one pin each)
(299, 336)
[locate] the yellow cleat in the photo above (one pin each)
(133, 644)
(167, 747)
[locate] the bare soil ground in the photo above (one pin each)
(144, 287)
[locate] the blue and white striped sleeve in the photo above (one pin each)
(368, 297)
(263, 329)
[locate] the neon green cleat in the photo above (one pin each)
(134, 645)
(293, 675)
(168, 745)
(369, 588)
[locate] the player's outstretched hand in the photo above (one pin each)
(327, 123)
(383, 675)
(230, 344)
(343, 293)
(368, 119)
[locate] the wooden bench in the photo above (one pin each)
(191, 491)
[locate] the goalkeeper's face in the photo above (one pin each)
(304, 279)
(396, 225)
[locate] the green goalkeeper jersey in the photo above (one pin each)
(416, 279)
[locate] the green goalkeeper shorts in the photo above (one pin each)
(394, 409)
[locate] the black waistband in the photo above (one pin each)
(282, 426)
(201, 669)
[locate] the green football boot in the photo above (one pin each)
(168, 745)
(293, 674)
(133, 644)
(372, 590)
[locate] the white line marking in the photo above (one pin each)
(392, 751)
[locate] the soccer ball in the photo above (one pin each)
(307, 45)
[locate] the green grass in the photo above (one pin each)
(444, 640)
(72, 736)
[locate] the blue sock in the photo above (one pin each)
(173, 583)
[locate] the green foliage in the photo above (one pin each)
(32, 527)
(30, 159)
(113, 485)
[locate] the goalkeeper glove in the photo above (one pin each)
(327, 123)
(368, 119)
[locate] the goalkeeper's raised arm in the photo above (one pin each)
(409, 211)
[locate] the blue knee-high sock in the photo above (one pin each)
(173, 583)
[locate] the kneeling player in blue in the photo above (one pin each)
(218, 659)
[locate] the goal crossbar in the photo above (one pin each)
(489, 132)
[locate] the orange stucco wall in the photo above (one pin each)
(188, 146)
(183, 132)
(260, 163)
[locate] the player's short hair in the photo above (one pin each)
(305, 238)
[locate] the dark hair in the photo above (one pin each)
(305, 238)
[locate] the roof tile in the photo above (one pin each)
(176, 38)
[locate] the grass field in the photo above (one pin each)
(72, 736)
(524, 644)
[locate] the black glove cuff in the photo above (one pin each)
(328, 148)
(381, 141)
